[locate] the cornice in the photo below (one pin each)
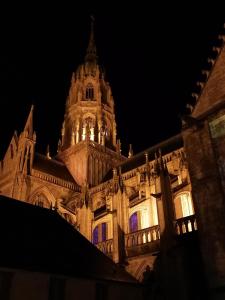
(55, 180)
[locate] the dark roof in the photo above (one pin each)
(166, 146)
(38, 239)
(52, 167)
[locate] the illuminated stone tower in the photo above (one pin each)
(88, 146)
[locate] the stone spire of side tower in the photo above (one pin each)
(89, 146)
(91, 53)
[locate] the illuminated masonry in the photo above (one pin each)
(118, 203)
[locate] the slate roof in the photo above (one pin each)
(52, 167)
(166, 146)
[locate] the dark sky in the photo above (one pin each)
(153, 56)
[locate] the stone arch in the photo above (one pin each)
(42, 197)
(89, 115)
(108, 221)
(143, 215)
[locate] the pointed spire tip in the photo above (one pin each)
(91, 49)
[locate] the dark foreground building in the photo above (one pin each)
(44, 257)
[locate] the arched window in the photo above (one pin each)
(140, 219)
(89, 95)
(95, 235)
(99, 233)
(134, 222)
(88, 128)
(183, 205)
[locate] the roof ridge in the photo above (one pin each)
(52, 159)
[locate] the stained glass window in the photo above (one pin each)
(103, 232)
(100, 233)
(95, 235)
(134, 222)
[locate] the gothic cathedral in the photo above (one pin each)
(130, 208)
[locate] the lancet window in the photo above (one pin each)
(99, 233)
(89, 95)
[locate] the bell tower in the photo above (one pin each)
(88, 145)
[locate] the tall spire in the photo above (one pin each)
(91, 55)
(28, 128)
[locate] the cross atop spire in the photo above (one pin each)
(91, 55)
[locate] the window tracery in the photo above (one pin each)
(89, 94)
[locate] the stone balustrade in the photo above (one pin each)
(106, 247)
(143, 236)
(185, 225)
(146, 237)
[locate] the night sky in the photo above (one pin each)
(153, 56)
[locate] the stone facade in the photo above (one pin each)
(133, 209)
(204, 141)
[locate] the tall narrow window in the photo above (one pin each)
(100, 233)
(92, 135)
(84, 132)
(95, 235)
(89, 92)
(134, 222)
(186, 204)
(183, 205)
(103, 232)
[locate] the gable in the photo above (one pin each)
(213, 92)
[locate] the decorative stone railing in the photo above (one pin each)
(143, 240)
(185, 225)
(106, 247)
(143, 236)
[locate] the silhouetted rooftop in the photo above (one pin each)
(38, 239)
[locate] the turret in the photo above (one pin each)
(90, 105)
(89, 121)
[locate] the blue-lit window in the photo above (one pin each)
(100, 233)
(103, 232)
(134, 222)
(95, 235)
